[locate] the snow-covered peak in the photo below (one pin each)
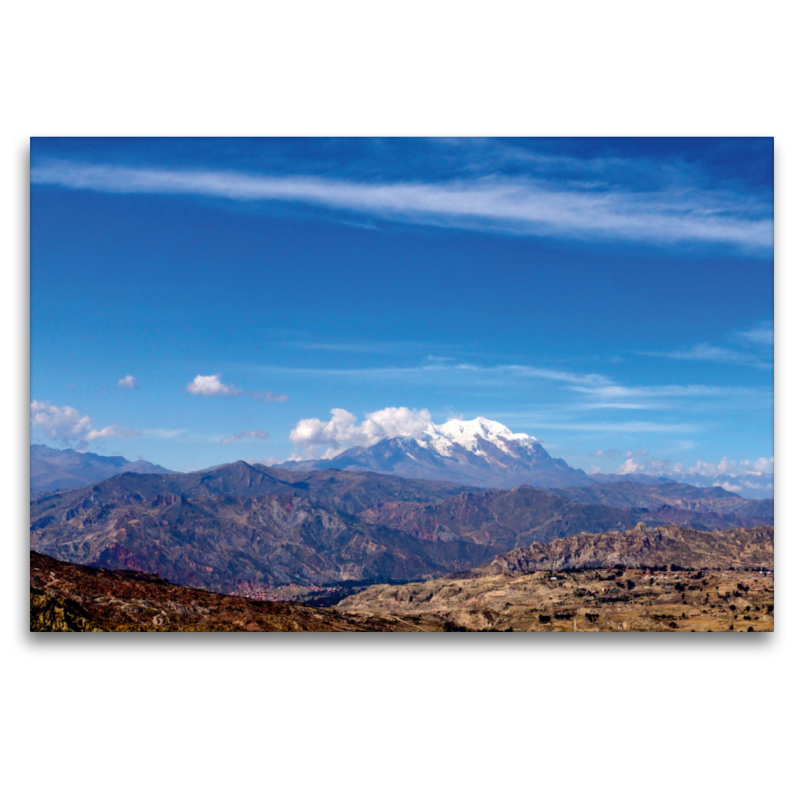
(464, 432)
(467, 433)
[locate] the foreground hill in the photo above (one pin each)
(719, 581)
(67, 597)
(53, 469)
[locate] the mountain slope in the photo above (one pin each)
(53, 469)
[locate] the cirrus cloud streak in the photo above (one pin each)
(682, 213)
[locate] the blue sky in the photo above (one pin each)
(612, 297)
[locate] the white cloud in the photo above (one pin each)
(761, 467)
(341, 431)
(517, 205)
(128, 382)
(235, 437)
(60, 423)
(210, 385)
(110, 432)
(729, 487)
(66, 425)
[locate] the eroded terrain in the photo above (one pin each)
(586, 600)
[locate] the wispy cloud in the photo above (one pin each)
(236, 437)
(714, 354)
(761, 334)
(600, 391)
(524, 205)
(128, 382)
(749, 348)
(164, 433)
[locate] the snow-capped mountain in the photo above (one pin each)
(478, 452)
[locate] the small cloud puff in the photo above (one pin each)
(211, 385)
(128, 382)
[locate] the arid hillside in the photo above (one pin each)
(67, 597)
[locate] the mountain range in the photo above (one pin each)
(53, 469)
(240, 527)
